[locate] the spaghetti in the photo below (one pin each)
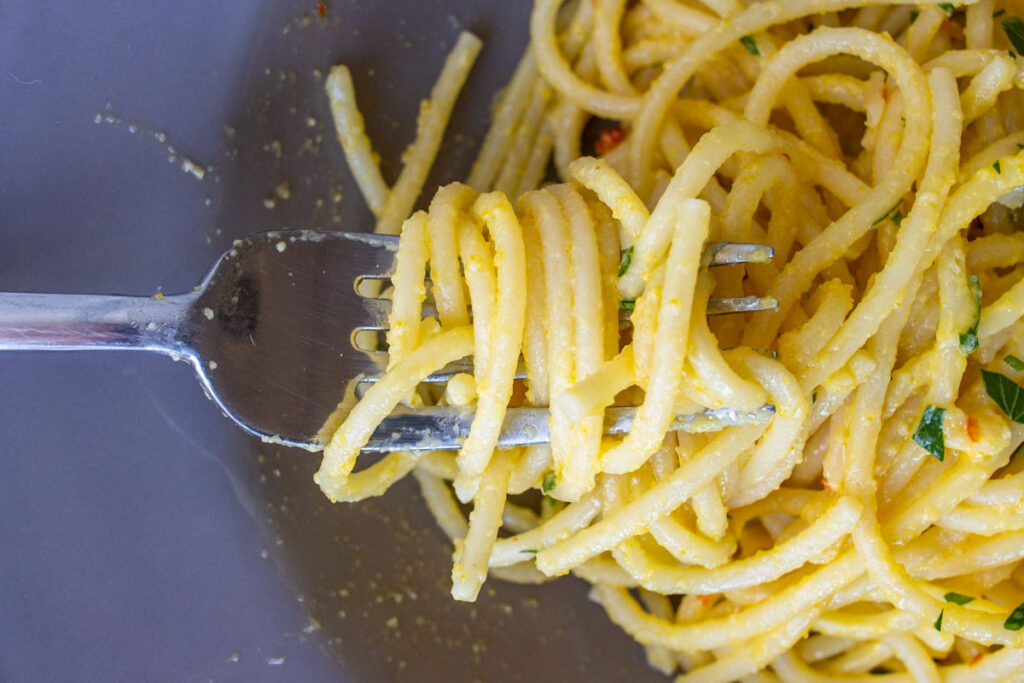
(876, 524)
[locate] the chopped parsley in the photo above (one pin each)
(1007, 394)
(938, 622)
(1015, 621)
(625, 259)
(898, 217)
(529, 551)
(1014, 362)
(998, 13)
(814, 397)
(999, 169)
(929, 432)
(914, 14)
(751, 45)
(549, 482)
(947, 7)
(889, 213)
(1014, 28)
(958, 599)
(627, 304)
(969, 337)
(1020, 146)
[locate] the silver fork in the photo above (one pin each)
(277, 331)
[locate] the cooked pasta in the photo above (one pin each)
(875, 525)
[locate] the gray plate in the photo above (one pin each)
(144, 537)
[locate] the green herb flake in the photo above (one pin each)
(1015, 621)
(529, 551)
(625, 260)
(549, 482)
(969, 337)
(1014, 362)
(627, 304)
(947, 7)
(914, 14)
(999, 169)
(1014, 28)
(898, 217)
(998, 13)
(938, 622)
(1007, 394)
(552, 503)
(814, 397)
(969, 341)
(1020, 146)
(888, 214)
(958, 599)
(929, 432)
(751, 45)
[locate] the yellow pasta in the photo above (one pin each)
(873, 528)
(348, 122)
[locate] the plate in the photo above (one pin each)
(145, 538)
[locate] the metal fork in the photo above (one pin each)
(278, 330)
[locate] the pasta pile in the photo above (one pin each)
(875, 524)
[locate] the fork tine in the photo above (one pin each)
(377, 309)
(466, 366)
(446, 427)
(732, 253)
(730, 304)
(741, 304)
(715, 254)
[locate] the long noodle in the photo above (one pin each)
(873, 529)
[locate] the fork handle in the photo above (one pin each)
(73, 322)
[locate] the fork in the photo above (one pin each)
(286, 322)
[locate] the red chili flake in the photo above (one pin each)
(825, 482)
(705, 600)
(973, 428)
(610, 139)
(952, 29)
(975, 659)
(884, 93)
(321, 8)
